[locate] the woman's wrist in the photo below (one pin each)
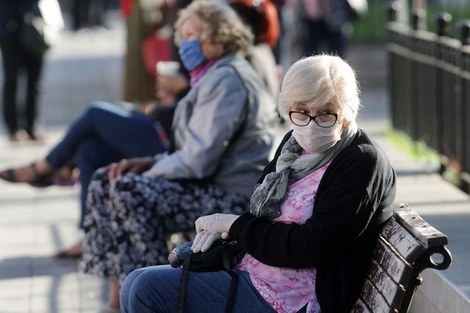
(239, 223)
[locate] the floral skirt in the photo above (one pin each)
(127, 222)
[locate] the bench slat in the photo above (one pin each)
(360, 307)
(399, 270)
(390, 290)
(387, 274)
(374, 299)
(404, 242)
(390, 262)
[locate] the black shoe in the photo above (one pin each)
(34, 136)
(13, 137)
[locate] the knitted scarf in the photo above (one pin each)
(291, 166)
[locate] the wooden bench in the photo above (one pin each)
(407, 246)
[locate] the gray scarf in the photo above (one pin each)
(291, 166)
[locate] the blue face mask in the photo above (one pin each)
(191, 54)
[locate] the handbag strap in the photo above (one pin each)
(184, 283)
(231, 292)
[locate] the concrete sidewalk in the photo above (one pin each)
(36, 223)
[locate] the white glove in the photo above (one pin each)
(211, 228)
(218, 223)
(203, 241)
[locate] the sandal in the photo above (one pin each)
(67, 255)
(9, 175)
(43, 181)
(37, 180)
(74, 252)
(54, 179)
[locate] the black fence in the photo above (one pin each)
(429, 83)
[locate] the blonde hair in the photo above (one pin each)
(223, 31)
(319, 80)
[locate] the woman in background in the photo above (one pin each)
(222, 140)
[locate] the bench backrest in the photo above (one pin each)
(407, 246)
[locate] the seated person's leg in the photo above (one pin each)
(115, 126)
(155, 289)
(99, 234)
(129, 132)
(92, 155)
(149, 208)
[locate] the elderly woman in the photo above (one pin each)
(221, 142)
(314, 218)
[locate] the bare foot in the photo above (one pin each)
(65, 176)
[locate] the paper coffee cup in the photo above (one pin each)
(169, 68)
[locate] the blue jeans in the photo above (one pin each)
(155, 289)
(105, 133)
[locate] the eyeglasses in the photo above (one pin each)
(324, 120)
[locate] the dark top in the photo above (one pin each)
(353, 200)
(11, 17)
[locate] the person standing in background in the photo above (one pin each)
(17, 59)
(323, 26)
(277, 49)
(263, 21)
(97, 13)
(88, 14)
(80, 14)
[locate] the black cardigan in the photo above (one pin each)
(353, 200)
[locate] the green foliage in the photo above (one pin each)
(418, 150)
(458, 13)
(371, 28)
(421, 153)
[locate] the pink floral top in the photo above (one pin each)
(288, 289)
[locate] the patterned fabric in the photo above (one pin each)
(127, 222)
(287, 289)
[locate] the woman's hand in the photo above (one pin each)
(135, 165)
(210, 228)
(204, 240)
(218, 223)
(168, 86)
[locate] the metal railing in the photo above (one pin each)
(429, 85)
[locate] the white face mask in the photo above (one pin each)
(315, 139)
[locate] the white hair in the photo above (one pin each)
(319, 80)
